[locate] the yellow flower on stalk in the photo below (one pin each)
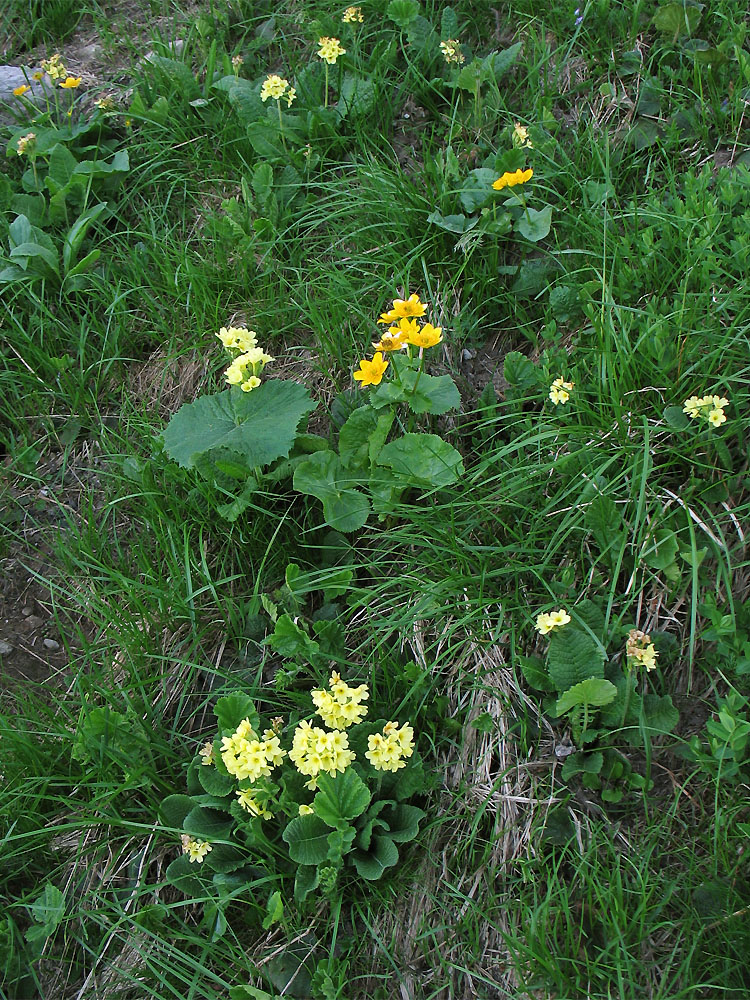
(403, 308)
(386, 751)
(451, 50)
(371, 372)
(207, 753)
(196, 849)
(640, 650)
(238, 338)
(391, 340)
(39, 75)
(54, 67)
(560, 390)
(509, 179)
(428, 336)
(305, 810)
(711, 408)
(248, 802)
(20, 91)
(717, 417)
(247, 757)
(520, 137)
(71, 82)
(26, 144)
(314, 750)
(106, 103)
(353, 15)
(548, 621)
(273, 86)
(245, 369)
(330, 49)
(341, 706)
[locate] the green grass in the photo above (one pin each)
(522, 883)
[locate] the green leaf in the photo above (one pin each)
(594, 691)
(582, 763)
(448, 23)
(260, 425)
(354, 437)
(307, 838)
(323, 476)
(307, 879)
(452, 223)
(186, 876)
(178, 73)
(661, 549)
(77, 233)
(403, 12)
(48, 909)
(535, 225)
(290, 641)
(32, 251)
(660, 715)
(573, 656)
(358, 95)
(535, 674)
(426, 460)
(501, 62)
(383, 854)
(233, 708)
(245, 99)
(174, 809)
(403, 822)
(519, 371)
(62, 165)
(207, 824)
(421, 392)
(213, 782)
(676, 419)
(274, 910)
(341, 798)
(340, 843)
(678, 19)
(477, 190)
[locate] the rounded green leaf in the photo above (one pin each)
(341, 798)
(594, 691)
(307, 838)
(424, 459)
(535, 225)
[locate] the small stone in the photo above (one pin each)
(51, 644)
(5, 648)
(26, 611)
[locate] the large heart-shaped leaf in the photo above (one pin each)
(425, 459)
(341, 798)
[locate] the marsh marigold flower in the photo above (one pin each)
(330, 49)
(451, 49)
(509, 179)
(353, 15)
(548, 621)
(404, 309)
(560, 390)
(428, 336)
(391, 340)
(20, 91)
(71, 82)
(387, 750)
(371, 372)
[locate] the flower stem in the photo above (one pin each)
(281, 125)
(325, 96)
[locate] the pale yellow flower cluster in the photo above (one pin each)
(237, 61)
(247, 366)
(277, 87)
(314, 750)
(207, 753)
(342, 705)
(330, 49)
(247, 757)
(353, 15)
(711, 408)
(26, 144)
(560, 390)
(54, 67)
(548, 621)
(640, 649)
(106, 103)
(248, 801)
(451, 50)
(196, 849)
(520, 137)
(386, 750)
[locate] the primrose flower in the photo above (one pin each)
(247, 757)
(238, 372)
(207, 753)
(402, 309)
(520, 137)
(386, 751)
(560, 390)
(20, 91)
(305, 810)
(54, 67)
(428, 336)
(509, 179)
(640, 650)
(371, 372)
(314, 750)
(273, 86)
(238, 338)
(353, 15)
(71, 82)
(451, 50)
(330, 49)
(248, 802)
(196, 849)
(711, 408)
(26, 144)
(106, 103)
(237, 61)
(548, 621)
(341, 707)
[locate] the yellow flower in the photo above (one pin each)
(717, 417)
(451, 50)
(238, 338)
(237, 61)
(290, 96)
(248, 758)
(273, 86)
(710, 407)
(20, 91)
(250, 383)
(244, 370)
(428, 336)
(520, 137)
(71, 82)
(511, 179)
(26, 144)
(305, 810)
(207, 753)
(196, 849)
(692, 407)
(106, 103)
(39, 75)
(386, 751)
(560, 390)
(403, 308)
(54, 67)
(640, 650)
(371, 372)
(391, 340)
(248, 802)
(353, 15)
(546, 622)
(330, 49)
(340, 707)
(314, 750)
